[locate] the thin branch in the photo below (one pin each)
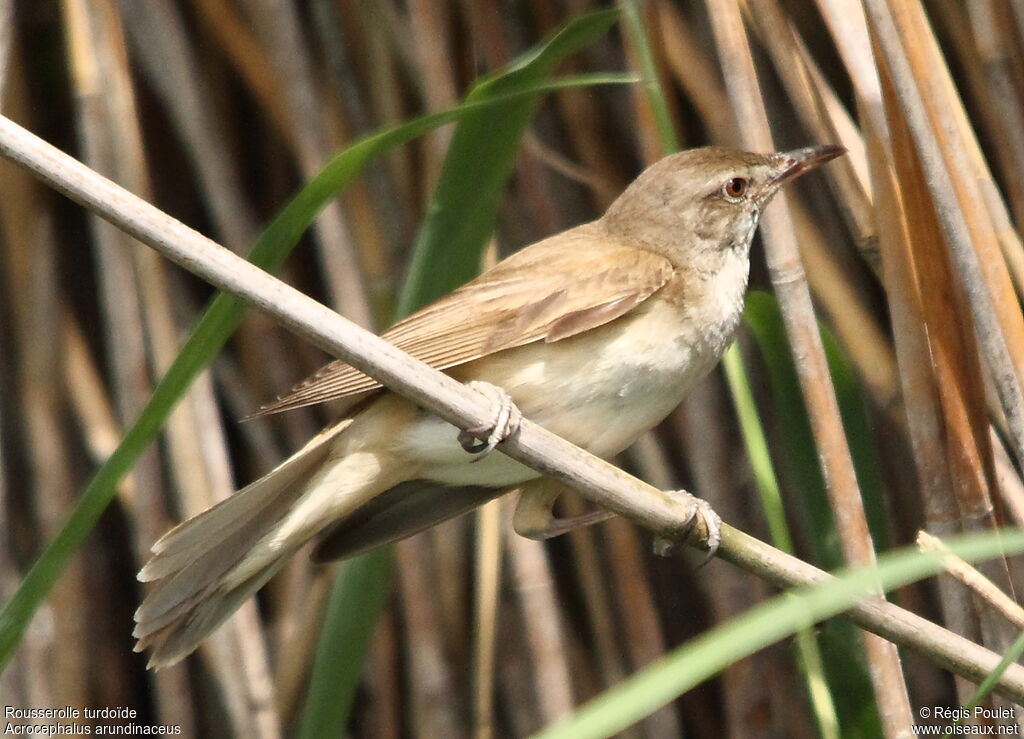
(972, 578)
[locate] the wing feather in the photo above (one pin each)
(550, 291)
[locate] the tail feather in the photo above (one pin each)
(192, 560)
(232, 513)
(178, 638)
(179, 590)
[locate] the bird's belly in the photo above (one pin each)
(600, 390)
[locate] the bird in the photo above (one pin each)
(596, 334)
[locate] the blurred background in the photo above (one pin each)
(218, 111)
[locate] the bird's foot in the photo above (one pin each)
(712, 522)
(482, 439)
(558, 526)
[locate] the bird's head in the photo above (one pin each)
(706, 201)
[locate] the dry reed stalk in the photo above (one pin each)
(847, 131)
(196, 446)
(847, 24)
(922, 408)
(6, 33)
(805, 89)
(30, 254)
(491, 27)
(963, 229)
(990, 115)
(23, 213)
(542, 621)
(794, 299)
(1011, 488)
(990, 35)
(1009, 239)
(377, 216)
(969, 169)
(722, 483)
(265, 83)
(692, 68)
(975, 580)
(296, 634)
(173, 70)
(945, 169)
(383, 712)
(434, 708)
(950, 342)
(278, 26)
(103, 97)
(101, 93)
(240, 47)
(376, 59)
(849, 312)
(987, 212)
(996, 208)
(952, 21)
(598, 607)
(299, 596)
(517, 701)
(968, 479)
(490, 518)
(562, 165)
(239, 401)
(643, 640)
(13, 680)
(89, 401)
(429, 25)
(160, 44)
(269, 361)
(632, 587)
(584, 122)
(170, 64)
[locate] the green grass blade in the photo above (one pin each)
(807, 647)
(465, 202)
(757, 449)
(214, 329)
(649, 76)
(763, 319)
(357, 597)
(447, 253)
(779, 618)
(1012, 654)
(843, 655)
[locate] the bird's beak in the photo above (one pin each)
(799, 161)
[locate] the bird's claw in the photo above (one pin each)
(480, 440)
(712, 522)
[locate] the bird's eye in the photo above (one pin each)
(735, 188)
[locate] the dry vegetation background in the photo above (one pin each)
(217, 111)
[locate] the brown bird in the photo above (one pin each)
(596, 334)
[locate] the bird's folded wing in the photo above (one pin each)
(555, 289)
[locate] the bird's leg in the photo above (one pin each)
(533, 517)
(712, 521)
(482, 439)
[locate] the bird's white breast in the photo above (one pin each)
(600, 389)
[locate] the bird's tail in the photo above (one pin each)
(207, 566)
